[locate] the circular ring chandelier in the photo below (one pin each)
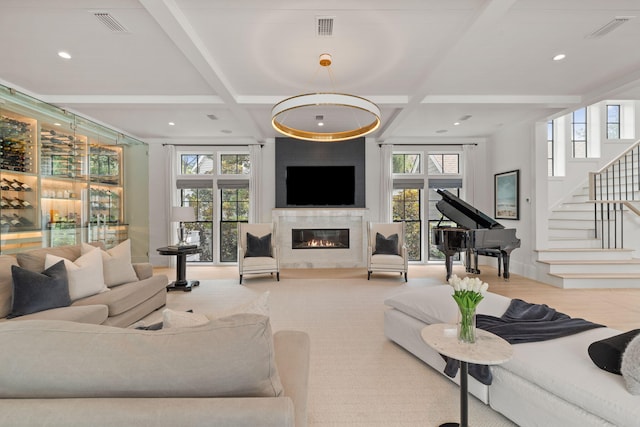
(346, 116)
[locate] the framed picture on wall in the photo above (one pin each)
(507, 195)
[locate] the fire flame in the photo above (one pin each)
(320, 243)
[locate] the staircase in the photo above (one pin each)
(588, 244)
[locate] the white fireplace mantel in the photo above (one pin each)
(354, 219)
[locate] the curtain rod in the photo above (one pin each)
(431, 144)
(211, 145)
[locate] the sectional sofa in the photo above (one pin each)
(128, 293)
(546, 383)
(230, 371)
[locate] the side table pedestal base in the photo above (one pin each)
(185, 285)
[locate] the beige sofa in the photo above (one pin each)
(121, 306)
(229, 372)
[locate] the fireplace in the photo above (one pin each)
(319, 238)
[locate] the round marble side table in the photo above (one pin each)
(489, 349)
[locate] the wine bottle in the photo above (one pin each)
(15, 204)
(24, 203)
(15, 186)
(5, 185)
(23, 186)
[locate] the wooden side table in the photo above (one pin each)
(489, 349)
(181, 252)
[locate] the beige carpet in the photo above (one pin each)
(358, 377)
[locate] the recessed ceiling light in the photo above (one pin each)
(559, 57)
(456, 123)
(171, 124)
(63, 54)
(57, 124)
(320, 124)
(442, 131)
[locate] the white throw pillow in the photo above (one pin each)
(116, 263)
(85, 274)
(182, 319)
(630, 366)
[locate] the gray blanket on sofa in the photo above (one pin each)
(522, 322)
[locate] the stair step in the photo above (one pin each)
(595, 281)
(630, 266)
(583, 254)
(572, 233)
(571, 215)
(568, 243)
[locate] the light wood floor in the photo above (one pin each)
(616, 308)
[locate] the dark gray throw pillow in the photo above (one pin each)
(386, 245)
(33, 292)
(607, 353)
(258, 246)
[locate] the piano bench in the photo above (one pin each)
(496, 253)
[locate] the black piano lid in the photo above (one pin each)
(463, 214)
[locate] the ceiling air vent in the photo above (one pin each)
(609, 26)
(110, 22)
(324, 25)
(212, 116)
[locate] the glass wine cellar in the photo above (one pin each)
(63, 179)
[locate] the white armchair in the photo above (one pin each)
(257, 252)
(386, 248)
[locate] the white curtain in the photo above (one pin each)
(172, 196)
(468, 166)
(386, 183)
(255, 187)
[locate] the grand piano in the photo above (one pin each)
(476, 234)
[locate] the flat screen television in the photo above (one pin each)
(321, 185)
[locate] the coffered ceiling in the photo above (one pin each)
(215, 68)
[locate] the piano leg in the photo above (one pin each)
(448, 262)
(471, 261)
(476, 270)
(505, 262)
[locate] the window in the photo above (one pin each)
(196, 164)
(200, 232)
(234, 208)
(406, 163)
(613, 121)
(406, 207)
(235, 164)
(579, 133)
(443, 164)
(550, 148)
(218, 209)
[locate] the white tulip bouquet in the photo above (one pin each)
(467, 292)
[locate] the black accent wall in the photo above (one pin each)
(294, 152)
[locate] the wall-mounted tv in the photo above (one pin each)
(321, 185)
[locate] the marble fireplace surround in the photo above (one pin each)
(354, 219)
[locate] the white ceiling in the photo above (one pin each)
(426, 63)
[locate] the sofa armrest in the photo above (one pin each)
(143, 270)
(292, 350)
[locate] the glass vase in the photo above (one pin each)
(467, 325)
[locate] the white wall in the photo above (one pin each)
(514, 148)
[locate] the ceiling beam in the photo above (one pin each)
(491, 13)
(173, 22)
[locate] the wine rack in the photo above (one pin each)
(17, 143)
(104, 204)
(62, 154)
(105, 164)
